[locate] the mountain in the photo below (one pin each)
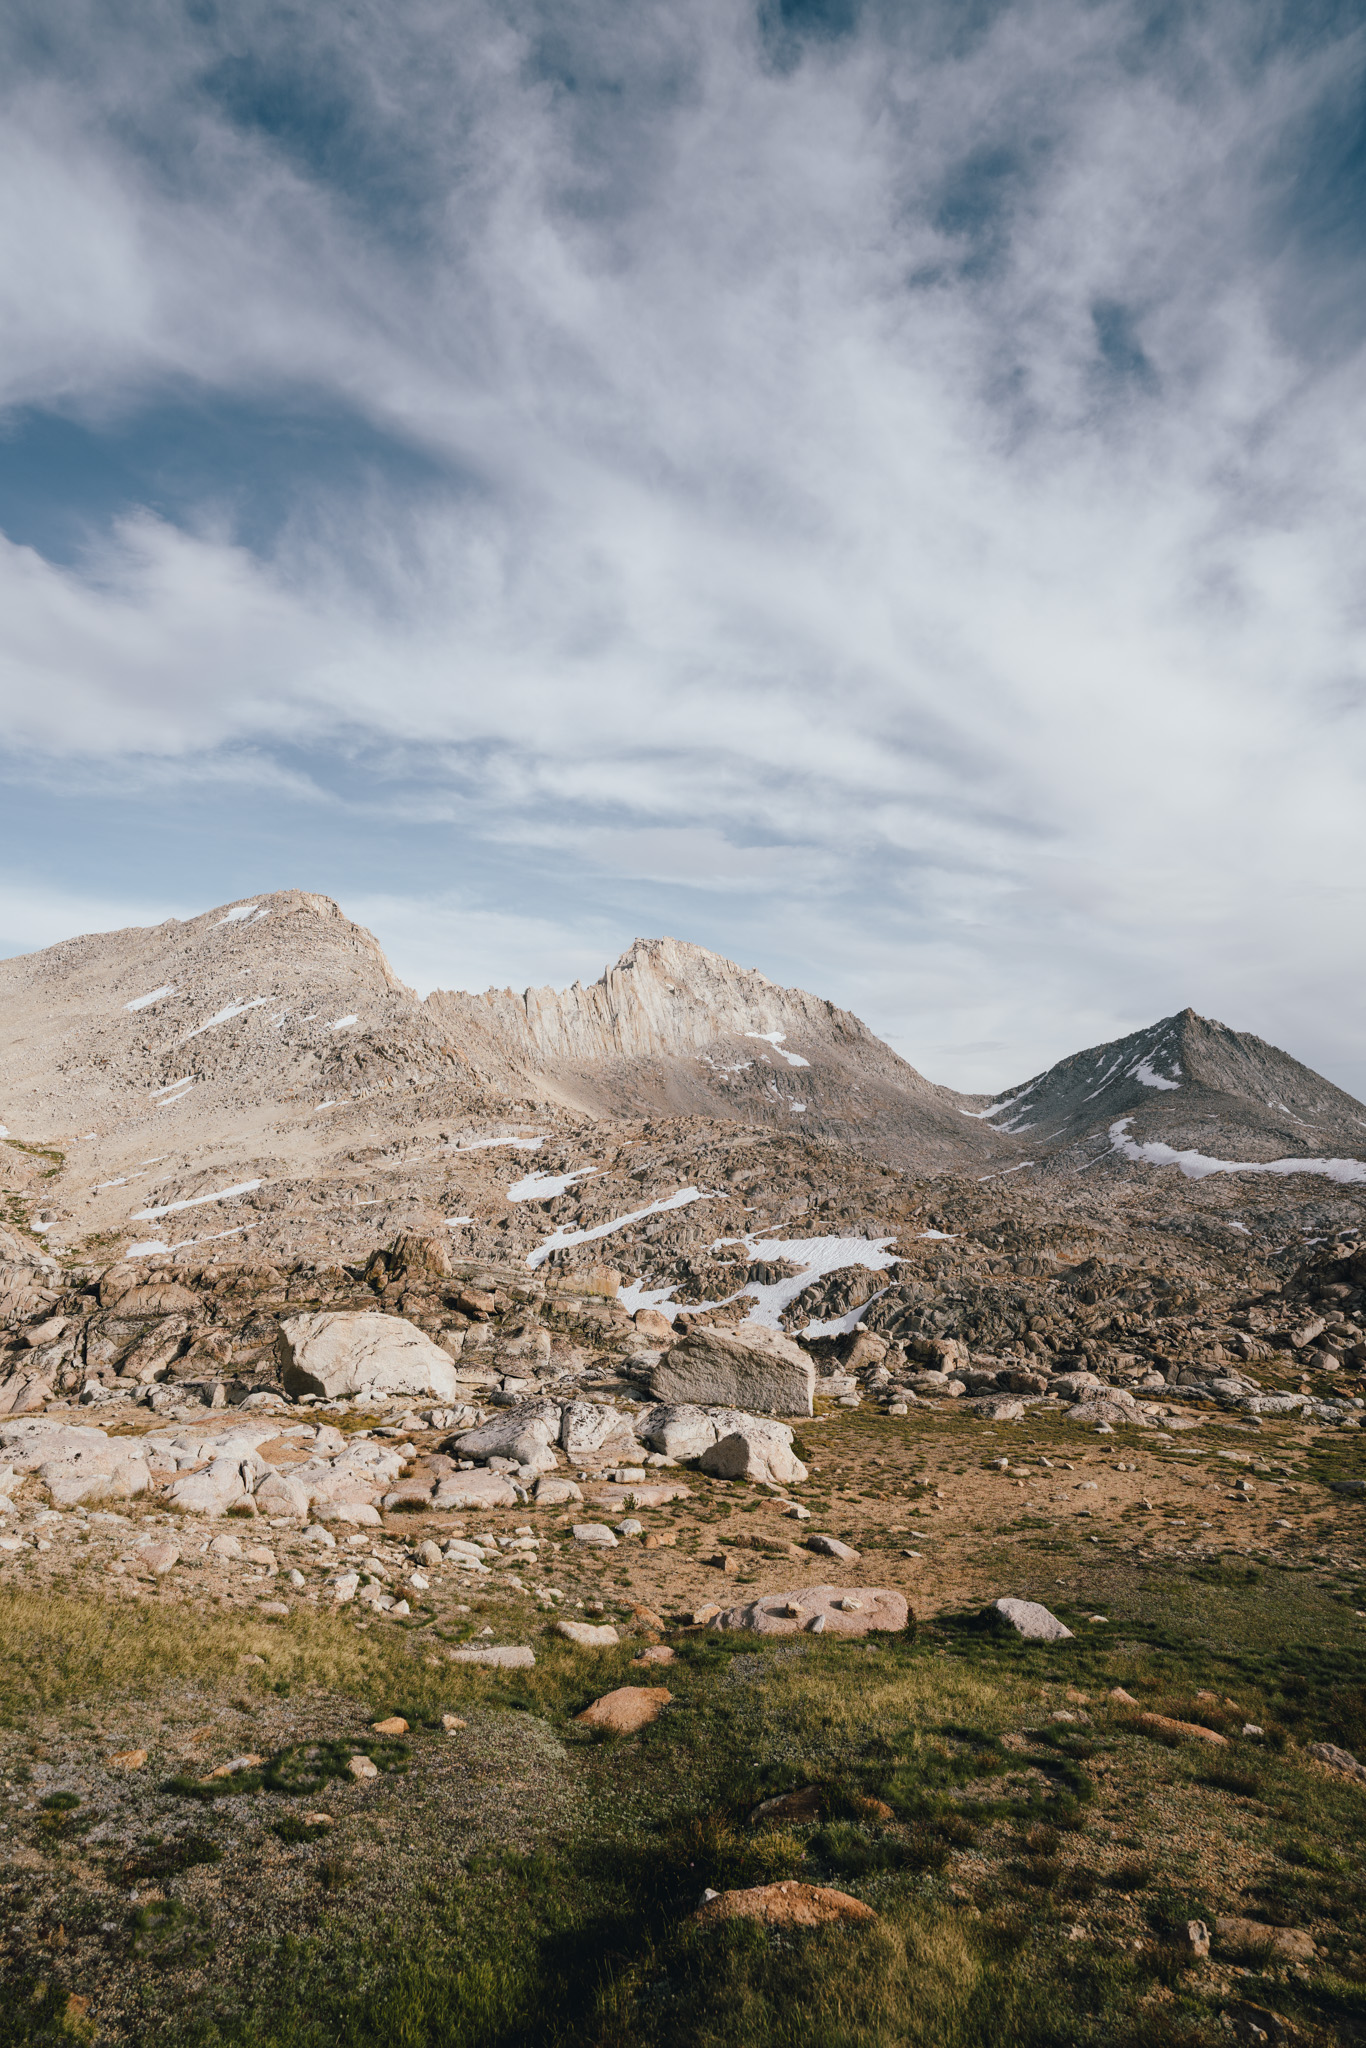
(674, 1030)
(1186, 1082)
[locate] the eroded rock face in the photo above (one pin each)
(752, 1368)
(339, 1353)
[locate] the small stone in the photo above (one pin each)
(361, 1767)
(655, 1653)
(708, 1612)
(596, 1534)
(630, 1527)
(1122, 1698)
(395, 1725)
(647, 1617)
(318, 1820)
(450, 1722)
(276, 1607)
(128, 1760)
(1162, 1724)
(1030, 1619)
(629, 1708)
(830, 1546)
(661, 1539)
(1194, 1939)
(503, 1656)
(795, 1512)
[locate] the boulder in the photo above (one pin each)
(596, 1534)
(1254, 1938)
(830, 1546)
(1029, 1619)
(758, 1450)
(76, 1464)
(628, 1709)
(555, 1493)
(753, 1368)
(789, 1904)
(227, 1482)
(278, 1494)
(593, 1434)
(25, 1393)
(475, 1490)
(588, 1635)
(820, 1610)
(338, 1353)
(1116, 1408)
(679, 1431)
(651, 1323)
(527, 1427)
(503, 1656)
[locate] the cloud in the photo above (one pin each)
(852, 483)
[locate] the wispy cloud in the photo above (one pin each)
(860, 488)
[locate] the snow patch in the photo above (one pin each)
(816, 1256)
(453, 1221)
(152, 1245)
(145, 1002)
(561, 1238)
(995, 1108)
(243, 1187)
(185, 1081)
(341, 1023)
(232, 1010)
(1199, 1166)
(944, 1236)
(483, 1144)
(235, 916)
(797, 1108)
(541, 1186)
(1001, 1174)
(1143, 1072)
(775, 1039)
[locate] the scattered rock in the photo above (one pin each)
(626, 1710)
(506, 1657)
(128, 1760)
(1030, 1619)
(1193, 1938)
(395, 1725)
(788, 1904)
(450, 1722)
(361, 1767)
(830, 1546)
(655, 1653)
(596, 1534)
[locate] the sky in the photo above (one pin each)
(874, 489)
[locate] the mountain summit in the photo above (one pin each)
(1187, 1082)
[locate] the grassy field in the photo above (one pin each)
(1034, 1859)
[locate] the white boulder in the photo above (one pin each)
(339, 1353)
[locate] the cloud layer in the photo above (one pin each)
(877, 491)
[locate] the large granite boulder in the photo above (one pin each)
(522, 1433)
(338, 1353)
(757, 1448)
(753, 1368)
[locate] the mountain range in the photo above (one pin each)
(269, 1042)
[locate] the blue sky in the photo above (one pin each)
(876, 490)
